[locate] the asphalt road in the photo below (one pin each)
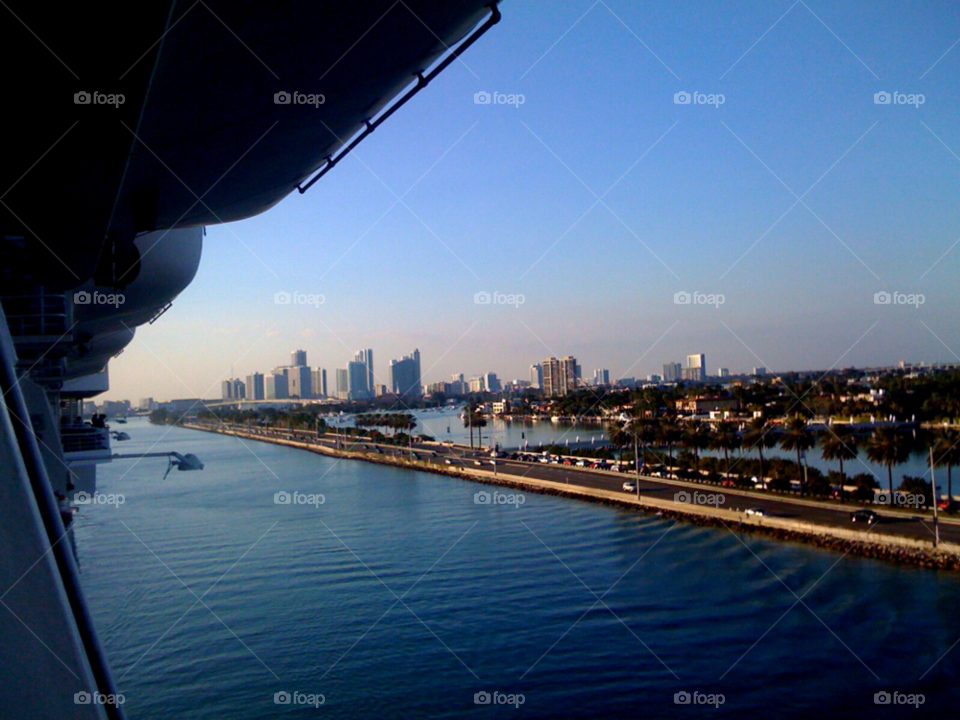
(890, 522)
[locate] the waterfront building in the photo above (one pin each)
(671, 371)
(405, 375)
(536, 376)
(255, 387)
(298, 357)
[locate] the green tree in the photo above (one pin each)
(946, 453)
(759, 434)
(725, 438)
(798, 438)
(890, 448)
(839, 444)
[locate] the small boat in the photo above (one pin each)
(121, 420)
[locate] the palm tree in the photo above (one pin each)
(946, 453)
(725, 438)
(759, 434)
(888, 447)
(696, 437)
(797, 437)
(668, 433)
(839, 444)
(618, 436)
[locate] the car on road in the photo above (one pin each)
(477, 463)
(867, 516)
(757, 512)
(629, 487)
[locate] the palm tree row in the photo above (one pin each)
(886, 446)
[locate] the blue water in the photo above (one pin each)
(493, 598)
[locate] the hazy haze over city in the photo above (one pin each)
(599, 198)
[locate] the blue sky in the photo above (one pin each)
(694, 198)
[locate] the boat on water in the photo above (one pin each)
(124, 238)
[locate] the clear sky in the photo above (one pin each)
(798, 198)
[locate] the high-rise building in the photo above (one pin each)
(759, 371)
(147, 404)
(226, 390)
(671, 371)
(255, 387)
(299, 381)
(357, 380)
(491, 383)
(366, 357)
(343, 384)
(601, 377)
(477, 384)
(298, 357)
(405, 375)
(318, 382)
(239, 389)
(536, 375)
(699, 364)
(724, 372)
(276, 386)
(559, 376)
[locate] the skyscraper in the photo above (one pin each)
(357, 380)
(226, 390)
(559, 376)
(276, 387)
(405, 375)
(601, 377)
(299, 381)
(298, 358)
(536, 375)
(671, 371)
(343, 384)
(318, 382)
(491, 383)
(697, 367)
(366, 357)
(239, 389)
(255, 387)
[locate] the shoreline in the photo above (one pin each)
(890, 548)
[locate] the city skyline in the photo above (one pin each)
(779, 216)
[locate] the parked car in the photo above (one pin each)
(630, 487)
(757, 512)
(478, 463)
(867, 516)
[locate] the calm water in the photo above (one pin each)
(493, 598)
